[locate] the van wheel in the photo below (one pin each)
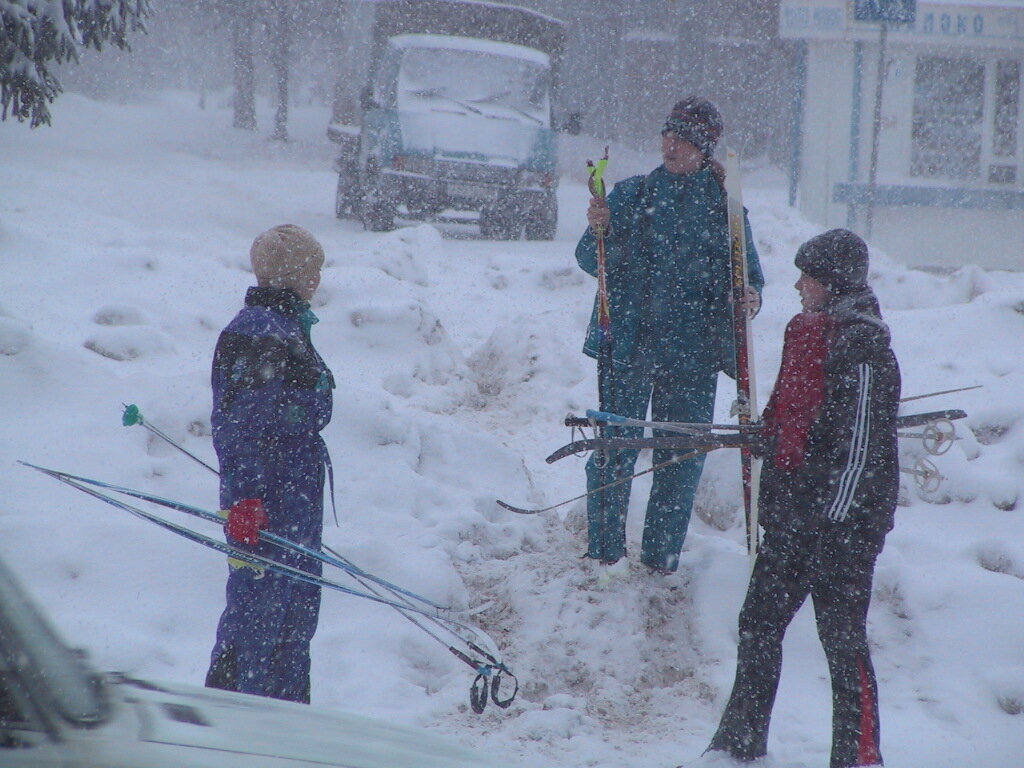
(378, 216)
(346, 195)
(375, 211)
(500, 223)
(542, 222)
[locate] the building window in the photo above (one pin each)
(967, 119)
(949, 112)
(1004, 135)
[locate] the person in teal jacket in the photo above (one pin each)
(667, 249)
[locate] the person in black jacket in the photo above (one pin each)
(827, 499)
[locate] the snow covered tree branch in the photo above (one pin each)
(38, 35)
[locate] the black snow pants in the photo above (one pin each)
(837, 575)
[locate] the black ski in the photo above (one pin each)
(667, 442)
(920, 419)
(709, 439)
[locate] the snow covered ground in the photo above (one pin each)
(124, 232)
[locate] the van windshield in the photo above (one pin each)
(31, 649)
(475, 81)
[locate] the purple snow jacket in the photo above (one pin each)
(271, 398)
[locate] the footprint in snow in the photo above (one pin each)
(119, 315)
(128, 343)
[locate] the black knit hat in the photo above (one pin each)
(837, 259)
(697, 121)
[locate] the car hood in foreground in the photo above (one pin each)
(250, 725)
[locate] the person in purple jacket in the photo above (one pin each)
(271, 399)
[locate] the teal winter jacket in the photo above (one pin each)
(668, 269)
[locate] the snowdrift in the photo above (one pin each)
(123, 238)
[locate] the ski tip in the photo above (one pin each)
(517, 510)
(37, 468)
(486, 605)
(571, 449)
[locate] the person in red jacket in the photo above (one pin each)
(828, 495)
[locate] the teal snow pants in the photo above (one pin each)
(682, 391)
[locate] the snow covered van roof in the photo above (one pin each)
(453, 42)
(472, 18)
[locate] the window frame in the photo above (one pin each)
(988, 159)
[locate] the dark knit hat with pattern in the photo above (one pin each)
(837, 259)
(696, 120)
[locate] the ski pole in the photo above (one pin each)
(231, 551)
(943, 392)
(603, 459)
(493, 669)
(219, 519)
(673, 460)
(132, 416)
(926, 475)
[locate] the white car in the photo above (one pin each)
(57, 712)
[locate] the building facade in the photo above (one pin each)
(941, 181)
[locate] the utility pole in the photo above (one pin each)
(885, 12)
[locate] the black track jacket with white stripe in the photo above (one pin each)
(849, 480)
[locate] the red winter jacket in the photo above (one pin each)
(832, 458)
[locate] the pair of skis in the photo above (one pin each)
(938, 434)
(746, 388)
(694, 440)
(486, 662)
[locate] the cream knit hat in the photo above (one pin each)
(284, 253)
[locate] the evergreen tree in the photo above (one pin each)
(38, 35)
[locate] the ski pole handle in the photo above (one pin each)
(596, 170)
(595, 183)
(131, 416)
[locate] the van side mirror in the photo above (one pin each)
(573, 123)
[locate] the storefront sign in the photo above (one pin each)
(966, 24)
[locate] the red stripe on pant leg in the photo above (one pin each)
(867, 751)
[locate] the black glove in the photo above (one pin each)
(759, 442)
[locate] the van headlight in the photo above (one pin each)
(536, 179)
(414, 164)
